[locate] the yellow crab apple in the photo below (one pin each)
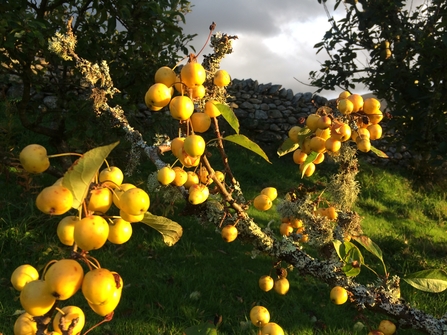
(259, 316)
(64, 278)
(22, 275)
(165, 75)
(54, 200)
(34, 158)
(221, 78)
(193, 74)
(181, 107)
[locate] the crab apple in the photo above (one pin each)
(338, 295)
(272, 328)
(362, 133)
(341, 131)
(375, 332)
(166, 175)
(266, 283)
(387, 327)
(294, 133)
(112, 301)
(319, 159)
(187, 160)
(177, 146)
(98, 285)
(180, 176)
(220, 176)
(54, 200)
(332, 144)
(376, 117)
(65, 229)
(135, 201)
(100, 200)
(198, 194)
(345, 106)
(344, 95)
(201, 122)
(91, 232)
(65, 316)
(111, 177)
(211, 109)
(312, 121)
(36, 299)
(130, 218)
(181, 107)
(357, 101)
(194, 145)
(324, 122)
(204, 175)
(375, 131)
(271, 192)
(193, 74)
(165, 75)
(371, 105)
(22, 275)
(25, 325)
(192, 179)
(299, 156)
(317, 144)
(296, 223)
(109, 305)
(285, 229)
(310, 169)
(118, 192)
(120, 231)
(323, 133)
(158, 96)
(281, 286)
(259, 316)
(262, 202)
(363, 144)
(64, 278)
(229, 233)
(34, 158)
(221, 78)
(197, 92)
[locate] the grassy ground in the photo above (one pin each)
(168, 289)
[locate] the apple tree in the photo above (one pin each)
(135, 36)
(396, 50)
(195, 96)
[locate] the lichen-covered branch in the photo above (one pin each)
(380, 297)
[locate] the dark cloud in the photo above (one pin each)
(275, 38)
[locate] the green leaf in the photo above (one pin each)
(229, 116)
(80, 175)
(369, 245)
(245, 142)
(310, 158)
(350, 255)
(378, 152)
(170, 230)
(287, 146)
(433, 281)
(350, 270)
(202, 329)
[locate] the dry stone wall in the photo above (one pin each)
(266, 112)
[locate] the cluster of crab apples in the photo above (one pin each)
(355, 119)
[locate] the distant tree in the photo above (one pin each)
(135, 37)
(405, 64)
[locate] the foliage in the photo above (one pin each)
(134, 36)
(405, 64)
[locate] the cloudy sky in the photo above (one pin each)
(275, 38)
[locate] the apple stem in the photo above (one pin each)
(65, 154)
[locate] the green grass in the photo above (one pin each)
(168, 289)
